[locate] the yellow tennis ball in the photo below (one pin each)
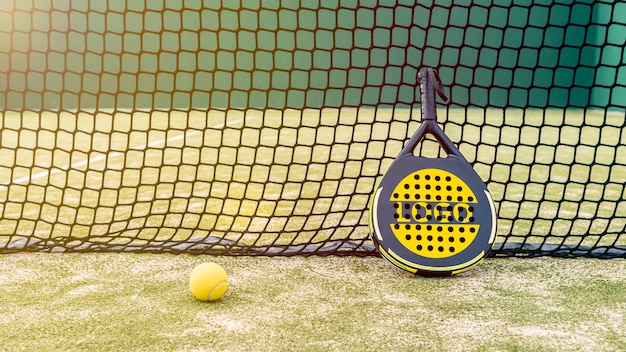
(208, 282)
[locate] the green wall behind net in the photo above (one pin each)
(179, 54)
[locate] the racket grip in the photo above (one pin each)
(429, 84)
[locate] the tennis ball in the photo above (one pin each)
(208, 282)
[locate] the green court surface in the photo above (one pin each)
(140, 302)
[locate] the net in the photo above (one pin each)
(261, 128)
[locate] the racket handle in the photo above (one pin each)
(429, 84)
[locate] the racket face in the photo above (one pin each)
(432, 216)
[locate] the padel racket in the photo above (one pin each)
(432, 216)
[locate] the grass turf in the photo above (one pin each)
(135, 302)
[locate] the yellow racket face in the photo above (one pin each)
(434, 213)
(438, 219)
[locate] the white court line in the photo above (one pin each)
(110, 155)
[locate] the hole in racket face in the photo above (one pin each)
(434, 213)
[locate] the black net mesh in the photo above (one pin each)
(261, 128)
